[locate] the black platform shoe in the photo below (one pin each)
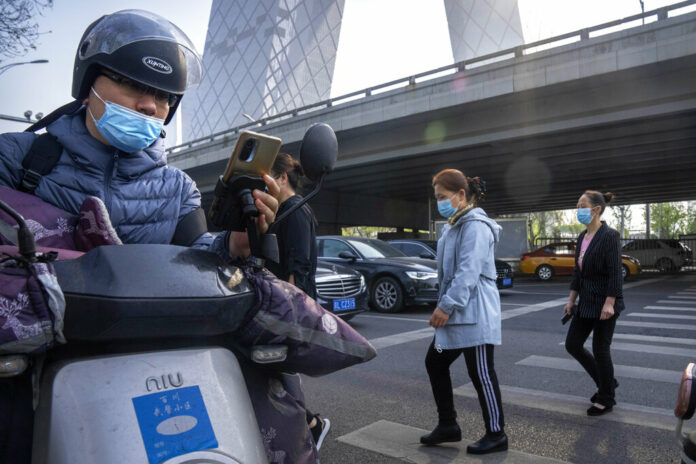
(442, 434)
(489, 444)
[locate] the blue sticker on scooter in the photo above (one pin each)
(173, 423)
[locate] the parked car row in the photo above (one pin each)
(559, 259)
(394, 275)
(665, 255)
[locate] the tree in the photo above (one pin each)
(667, 219)
(690, 227)
(616, 215)
(19, 31)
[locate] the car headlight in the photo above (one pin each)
(362, 282)
(417, 275)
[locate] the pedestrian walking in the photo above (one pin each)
(467, 316)
(297, 249)
(597, 280)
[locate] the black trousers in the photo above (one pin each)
(598, 363)
(479, 364)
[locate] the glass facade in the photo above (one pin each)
(262, 57)
(479, 27)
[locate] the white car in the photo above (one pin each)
(666, 255)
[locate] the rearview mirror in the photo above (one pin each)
(318, 151)
(347, 255)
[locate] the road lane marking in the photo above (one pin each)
(681, 297)
(403, 442)
(625, 413)
(654, 349)
(663, 316)
(674, 302)
(656, 325)
(654, 338)
(394, 318)
(631, 372)
(670, 308)
(404, 337)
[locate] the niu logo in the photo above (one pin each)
(158, 65)
(163, 382)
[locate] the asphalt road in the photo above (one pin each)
(375, 407)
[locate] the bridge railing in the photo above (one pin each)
(510, 53)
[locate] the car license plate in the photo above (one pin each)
(344, 305)
(507, 281)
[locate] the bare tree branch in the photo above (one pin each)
(19, 30)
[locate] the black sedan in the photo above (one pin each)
(393, 279)
(428, 249)
(340, 290)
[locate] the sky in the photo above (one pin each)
(380, 40)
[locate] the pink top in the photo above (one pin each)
(583, 248)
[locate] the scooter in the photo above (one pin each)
(684, 410)
(150, 373)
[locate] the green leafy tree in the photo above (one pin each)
(667, 219)
(19, 30)
(690, 227)
(365, 231)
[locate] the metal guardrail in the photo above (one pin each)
(510, 53)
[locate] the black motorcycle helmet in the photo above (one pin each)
(139, 45)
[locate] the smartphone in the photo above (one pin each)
(254, 154)
(566, 317)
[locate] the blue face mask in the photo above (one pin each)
(445, 208)
(126, 129)
(584, 215)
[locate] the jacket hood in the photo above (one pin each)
(478, 214)
(72, 133)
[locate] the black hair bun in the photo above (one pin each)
(608, 197)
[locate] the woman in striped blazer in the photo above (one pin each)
(597, 280)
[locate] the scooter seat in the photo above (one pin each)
(686, 398)
(151, 291)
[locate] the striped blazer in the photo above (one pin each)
(600, 276)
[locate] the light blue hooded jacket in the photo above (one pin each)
(467, 276)
(145, 198)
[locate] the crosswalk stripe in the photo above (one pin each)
(404, 337)
(631, 372)
(682, 297)
(663, 316)
(402, 442)
(654, 338)
(626, 413)
(670, 308)
(674, 302)
(654, 349)
(656, 325)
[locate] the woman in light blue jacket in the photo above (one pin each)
(467, 317)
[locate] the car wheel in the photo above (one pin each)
(665, 265)
(625, 273)
(387, 296)
(544, 272)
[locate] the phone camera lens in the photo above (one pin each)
(247, 150)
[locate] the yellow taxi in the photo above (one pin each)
(559, 259)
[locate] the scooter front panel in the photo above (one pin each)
(173, 407)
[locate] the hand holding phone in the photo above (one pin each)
(567, 317)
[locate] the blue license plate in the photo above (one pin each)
(344, 305)
(507, 281)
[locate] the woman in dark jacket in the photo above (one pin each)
(297, 249)
(597, 280)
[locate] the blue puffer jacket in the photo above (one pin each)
(145, 197)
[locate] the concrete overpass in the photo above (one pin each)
(610, 110)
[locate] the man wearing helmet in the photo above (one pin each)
(131, 70)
